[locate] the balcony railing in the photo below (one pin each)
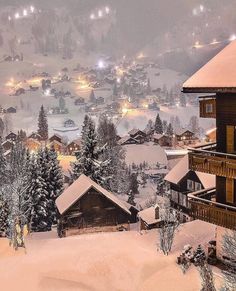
(207, 106)
(204, 207)
(211, 162)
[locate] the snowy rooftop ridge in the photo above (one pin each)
(76, 190)
(218, 75)
(182, 168)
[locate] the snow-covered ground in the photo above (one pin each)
(124, 261)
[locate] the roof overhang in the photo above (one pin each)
(209, 90)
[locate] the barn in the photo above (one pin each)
(87, 207)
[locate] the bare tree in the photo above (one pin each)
(229, 250)
(169, 225)
(198, 259)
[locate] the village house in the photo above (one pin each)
(149, 132)
(11, 110)
(182, 181)
(127, 140)
(11, 137)
(138, 135)
(35, 135)
(87, 207)
(218, 205)
(162, 139)
(55, 137)
(7, 145)
(149, 218)
(73, 147)
(185, 136)
(33, 145)
(58, 146)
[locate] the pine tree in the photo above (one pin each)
(43, 124)
(92, 97)
(158, 125)
(4, 211)
(131, 198)
(3, 166)
(55, 184)
(170, 130)
(134, 183)
(164, 125)
(2, 127)
(39, 191)
(88, 158)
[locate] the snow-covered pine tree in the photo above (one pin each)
(3, 166)
(88, 158)
(131, 198)
(158, 125)
(170, 130)
(133, 186)
(92, 97)
(43, 124)
(115, 154)
(4, 211)
(40, 220)
(55, 183)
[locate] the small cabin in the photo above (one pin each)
(127, 140)
(149, 218)
(73, 147)
(7, 145)
(58, 146)
(185, 135)
(35, 135)
(55, 137)
(11, 110)
(86, 207)
(162, 140)
(11, 136)
(33, 145)
(138, 135)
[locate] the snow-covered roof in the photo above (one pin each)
(125, 139)
(218, 75)
(180, 152)
(181, 131)
(148, 215)
(80, 187)
(182, 168)
(210, 131)
(134, 131)
(158, 136)
(76, 141)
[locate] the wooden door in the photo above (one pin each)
(230, 138)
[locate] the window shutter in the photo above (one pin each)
(230, 138)
(229, 190)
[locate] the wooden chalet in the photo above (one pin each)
(11, 136)
(87, 207)
(182, 181)
(73, 147)
(33, 145)
(58, 146)
(185, 136)
(149, 218)
(55, 137)
(217, 205)
(162, 139)
(7, 145)
(138, 135)
(35, 135)
(127, 140)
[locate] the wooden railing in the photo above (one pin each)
(210, 211)
(219, 164)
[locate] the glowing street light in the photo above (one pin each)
(9, 18)
(232, 37)
(25, 13)
(17, 15)
(100, 13)
(201, 8)
(92, 16)
(107, 9)
(32, 9)
(101, 64)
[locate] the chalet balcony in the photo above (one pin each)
(207, 106)
(208, 161)
(203, 207)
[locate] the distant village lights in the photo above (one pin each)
(101, 64)
(232, 37)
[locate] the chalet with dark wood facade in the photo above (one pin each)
(185, 136)
(217, 205)
(162, 139)
(73, 147)
(138, 135)
(182, 181)
(87, 207)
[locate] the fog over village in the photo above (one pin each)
(118, 145)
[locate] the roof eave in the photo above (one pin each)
(209, 90)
